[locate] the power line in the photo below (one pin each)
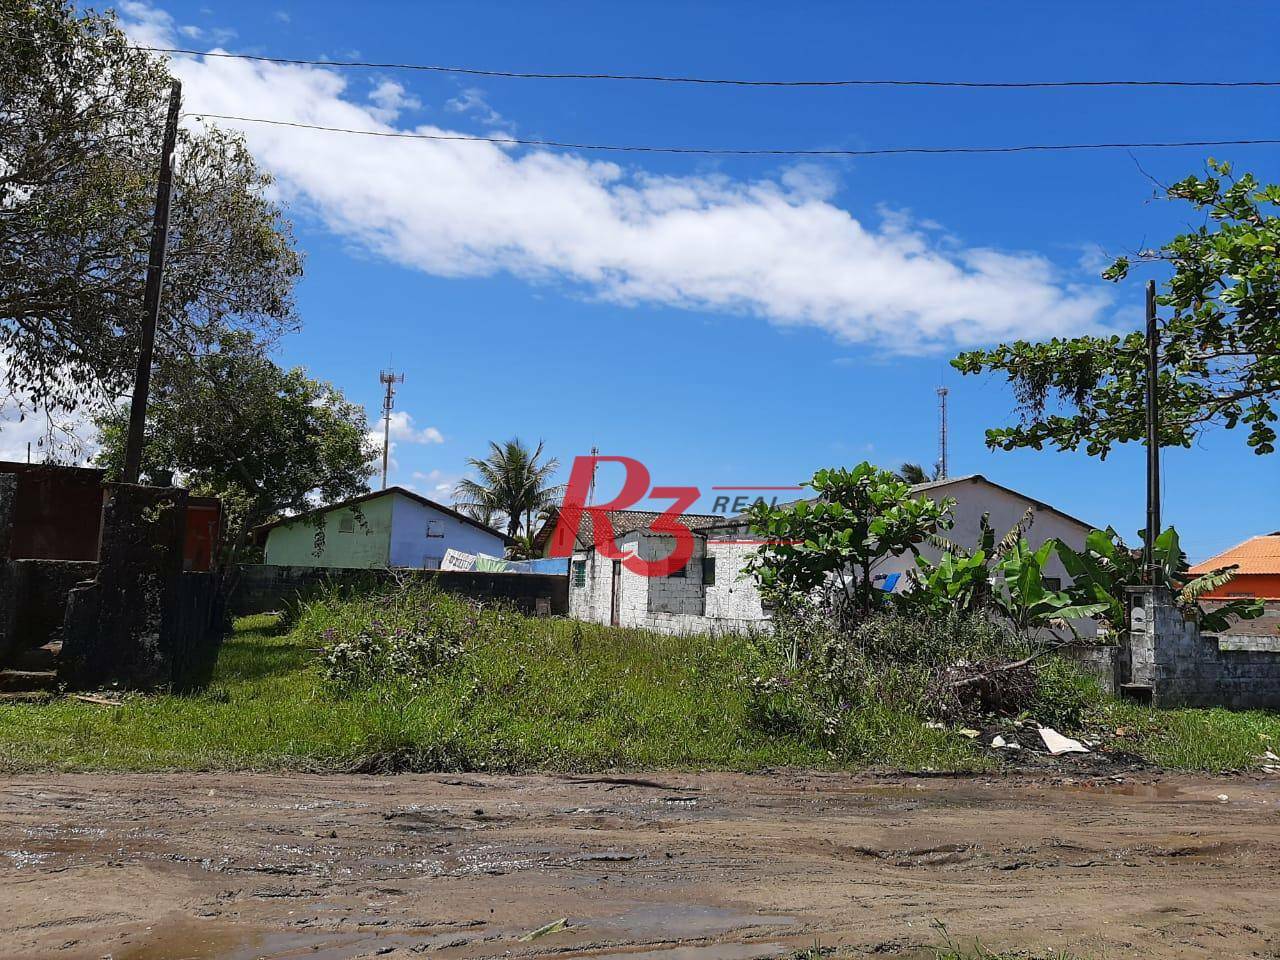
(720, 81)
(736, 151)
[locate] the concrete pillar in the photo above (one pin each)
(114, 629)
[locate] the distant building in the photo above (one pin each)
(1258, 569)
(712, 594)
(394, 527)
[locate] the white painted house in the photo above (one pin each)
(712, 594)
(394, 527)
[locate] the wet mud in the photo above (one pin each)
(671, 866)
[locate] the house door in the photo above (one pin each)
(615, 594)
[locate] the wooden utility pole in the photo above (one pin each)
(151, 296)
(1153, 434)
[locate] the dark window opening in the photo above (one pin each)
(347, 525)
(579, 573)
(709, 571)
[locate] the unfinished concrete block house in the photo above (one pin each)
(712, 594)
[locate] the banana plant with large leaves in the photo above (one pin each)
(962, 578)
(1027, 601)
(1101, 571)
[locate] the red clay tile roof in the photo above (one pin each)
(1256, 555)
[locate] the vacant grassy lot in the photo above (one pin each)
(535, 694)
(622, 699)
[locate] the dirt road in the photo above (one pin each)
(660, 867)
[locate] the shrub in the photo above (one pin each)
(1065, 697)
(815, 677)
(404, 634)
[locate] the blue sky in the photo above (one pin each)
(708, 371)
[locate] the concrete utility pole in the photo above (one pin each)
(1153, 434)
(151, 295)
(389, 378)
(942, 432)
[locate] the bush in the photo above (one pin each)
(1064, 697)
(813, 677)
(404, 634)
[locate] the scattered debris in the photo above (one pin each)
(552, 927)
(968, 732)
(998, 742)
(94, 698)
(1058, 744)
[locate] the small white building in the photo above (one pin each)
(712, 593)
(394, 527)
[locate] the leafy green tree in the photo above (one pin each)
(81, 120)
(1101, 571)
(265, 440)
(830, 546)
(1219, 339)
(514, 484)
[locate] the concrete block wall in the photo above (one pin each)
(1184, 667)
(672, 605)
(258, 588)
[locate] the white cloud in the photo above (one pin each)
(472, 101)
(389, 99)
(780, 249)
(68, 438)
(191, 31)
(402, 429)
(283, 16)
(435, 484)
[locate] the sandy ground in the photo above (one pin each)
(667, 866)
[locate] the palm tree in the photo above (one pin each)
(914, 474)
(513, 483)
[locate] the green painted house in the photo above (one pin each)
(394, 527)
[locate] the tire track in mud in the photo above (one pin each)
(668, 866)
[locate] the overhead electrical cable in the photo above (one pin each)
(714, 81)
(738, 151)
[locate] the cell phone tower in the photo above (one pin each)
(942, 433)
(389, 378)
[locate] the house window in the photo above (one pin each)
(708, 571)
(1053, 583)
(579, 573)
(433, 530)
(347, 525)
(681, 573)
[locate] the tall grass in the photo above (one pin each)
(520, 693)
(527, 694)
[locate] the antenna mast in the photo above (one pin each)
(942, 433)
(390, 379)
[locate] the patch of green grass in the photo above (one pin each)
(1209, 740)
(529, 694)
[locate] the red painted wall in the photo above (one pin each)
(1265, 586)
(57, 512)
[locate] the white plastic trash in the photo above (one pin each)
(1059, 744)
